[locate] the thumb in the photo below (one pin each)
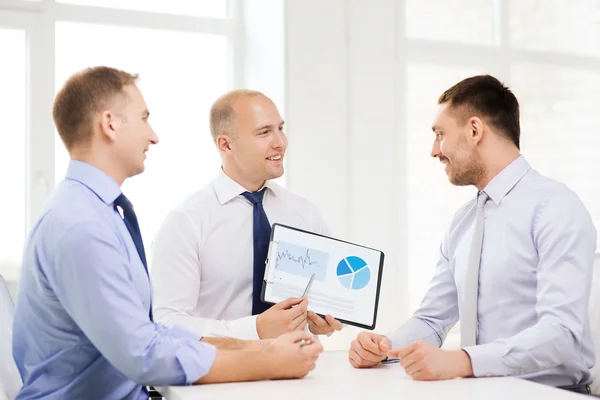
(394, 353)
(384, 345)
(297, 336)
(287, 303)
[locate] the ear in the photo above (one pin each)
(224, 143)
(475, 126)
(109, 124)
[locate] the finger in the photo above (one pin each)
(361, 362)
(357, 346)
(409, 360)
(334, 323)
(296, 311)
(415, 369)
(320, 322)
(313, 349)
(297, 336)
(385, 345)
(355, 360)
(287, 303)
(402, 351)
(368, 344)
(368, 356)
(298, 323)
(423, 375)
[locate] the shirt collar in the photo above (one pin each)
(503, 183)
(227, 189)
(95, 179)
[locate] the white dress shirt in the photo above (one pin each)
(202, 260)
(534, 282)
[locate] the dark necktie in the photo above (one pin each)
(261, 232)
(133, 227)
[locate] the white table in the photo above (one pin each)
(335, 379)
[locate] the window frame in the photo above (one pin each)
(38, 19)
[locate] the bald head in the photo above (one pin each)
(222, 112)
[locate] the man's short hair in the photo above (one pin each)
(487, 97)
(84, 95)
(222, 115)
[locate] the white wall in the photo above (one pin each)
(344, 114)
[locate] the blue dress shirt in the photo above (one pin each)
(534, 282)
(81, 324)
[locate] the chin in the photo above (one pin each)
(138, 170)
(275, 174)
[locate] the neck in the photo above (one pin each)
(251, 185)
(502, 158)
(103, 163)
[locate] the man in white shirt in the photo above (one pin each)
(209, 254)
(515, 266)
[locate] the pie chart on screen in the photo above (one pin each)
(353, 273)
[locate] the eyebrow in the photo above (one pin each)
(269, 126)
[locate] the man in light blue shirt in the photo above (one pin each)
(524, 267)
(83, 326)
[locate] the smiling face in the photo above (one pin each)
(452, 147)
(133, 135)
(255, 152)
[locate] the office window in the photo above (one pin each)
(179, 88)
(202, 8)
(12, 151)
(465, 21)
(565, 26)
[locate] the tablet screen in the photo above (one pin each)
(347, 276)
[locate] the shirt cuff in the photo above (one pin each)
(486, 360)
(244, 328)
(195, 357)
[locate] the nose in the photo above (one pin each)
(279, 140)
(435, 149)
(153, 137)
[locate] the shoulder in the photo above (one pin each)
(292, 200)
(73, 207)
(546, 194)
(198, 203)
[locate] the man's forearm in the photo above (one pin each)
(414, 329)
(227, 343)
(236, 366)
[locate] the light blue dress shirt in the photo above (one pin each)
(534, 282)
(81, 324)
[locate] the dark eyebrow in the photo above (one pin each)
(435, 129)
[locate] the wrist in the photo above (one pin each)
(261, 364)
(464, 364)
(259, 330)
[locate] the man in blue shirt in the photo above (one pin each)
(83, 325)
(515, 266)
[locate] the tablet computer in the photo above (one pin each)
(346, 276)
